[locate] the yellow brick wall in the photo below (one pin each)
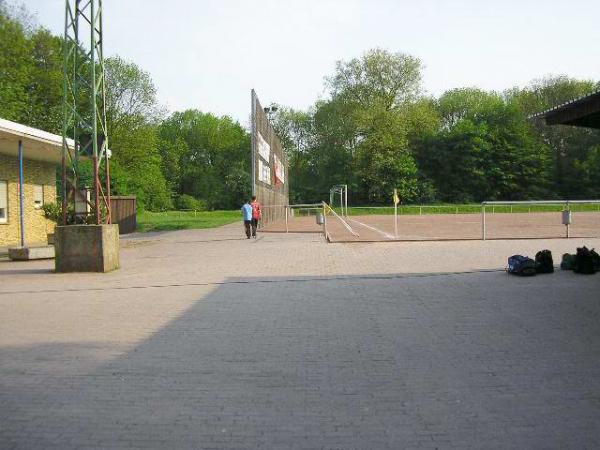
(36, 225)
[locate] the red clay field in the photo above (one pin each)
(376, 228)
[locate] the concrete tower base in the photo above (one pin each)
(87, 248)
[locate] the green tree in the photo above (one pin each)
(378, 78)
(132, 115)
(484, 150)
(570, 145)
(16, 69)
(46, 86)
(209, 157)
(377, 91)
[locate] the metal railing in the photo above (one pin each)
(289, 211)
(566, 206)
(327, 208)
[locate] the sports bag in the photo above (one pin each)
(568, 262)
(596, 259)
(544, 262)
(584, 261)
(521, 265)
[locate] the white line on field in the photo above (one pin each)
(383, 233)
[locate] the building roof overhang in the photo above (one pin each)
(38, 145)
(581, 112)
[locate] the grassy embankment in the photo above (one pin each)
(181, 220)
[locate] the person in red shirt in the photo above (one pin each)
(256, 215)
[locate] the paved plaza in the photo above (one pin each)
(206, 340)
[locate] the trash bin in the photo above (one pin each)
(566, 217)
(320, 219)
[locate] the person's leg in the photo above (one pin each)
(247, 225)
(254, 225)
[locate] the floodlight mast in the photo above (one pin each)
(84, 107)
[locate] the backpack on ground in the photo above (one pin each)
(584, 261)
(596, 259)
(521, 265)
(544, 262)
(568, 262)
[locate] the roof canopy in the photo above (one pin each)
(38, 145)
(582, 112)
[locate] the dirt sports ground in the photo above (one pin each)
(377, 228)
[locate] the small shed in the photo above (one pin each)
(123, 211)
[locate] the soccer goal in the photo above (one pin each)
(338, 195)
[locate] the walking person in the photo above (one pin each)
(247, 213)
(256, 215)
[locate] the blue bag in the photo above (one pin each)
(521, 265)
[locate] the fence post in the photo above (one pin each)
(395, 217)
(568, 208)
(483, 221)
(420, 210)
(346, 198)
(324, 221)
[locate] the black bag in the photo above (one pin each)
(544, 262)
(584, 261)
(568, 262)
(521, 265)
(596, 259)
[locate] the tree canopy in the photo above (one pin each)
(378, 131)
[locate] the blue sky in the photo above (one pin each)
(209, 54)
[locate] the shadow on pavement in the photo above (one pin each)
(471, 360)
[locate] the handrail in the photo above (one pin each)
(566, 203)
(299, 205)
(348, 227)
(539, 202)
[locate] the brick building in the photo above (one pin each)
(38, 153)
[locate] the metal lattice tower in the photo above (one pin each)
(84, 108)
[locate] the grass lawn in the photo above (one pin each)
(181, 220)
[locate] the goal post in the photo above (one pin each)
(340, 190)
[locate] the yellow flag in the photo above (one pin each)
(396, 198)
